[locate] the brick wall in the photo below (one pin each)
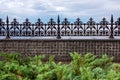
(61, 48)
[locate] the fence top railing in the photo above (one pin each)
(60, 28)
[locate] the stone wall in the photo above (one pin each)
(61, 48)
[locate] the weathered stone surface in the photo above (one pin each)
(61, 48)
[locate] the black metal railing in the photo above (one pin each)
(60, 28)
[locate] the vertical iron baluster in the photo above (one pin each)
(84, 29)
(71, 29)
(97, 30)
(20, 30)
(111, 31)
(58, 30)
(51, 32)
(7, 29)
(33, 30)
(45, 30)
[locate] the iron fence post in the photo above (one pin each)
(58, 30)
(111, 28)
(7, 28)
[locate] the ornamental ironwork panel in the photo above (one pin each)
(60, 28)
(39, 29)
(2, 28)
(78, 29)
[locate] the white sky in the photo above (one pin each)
(45, 9)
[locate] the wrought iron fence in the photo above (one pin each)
(60, 28)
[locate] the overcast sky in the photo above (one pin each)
(45, 9)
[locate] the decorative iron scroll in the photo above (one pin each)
(60, 28)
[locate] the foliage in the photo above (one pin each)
(87, 67)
